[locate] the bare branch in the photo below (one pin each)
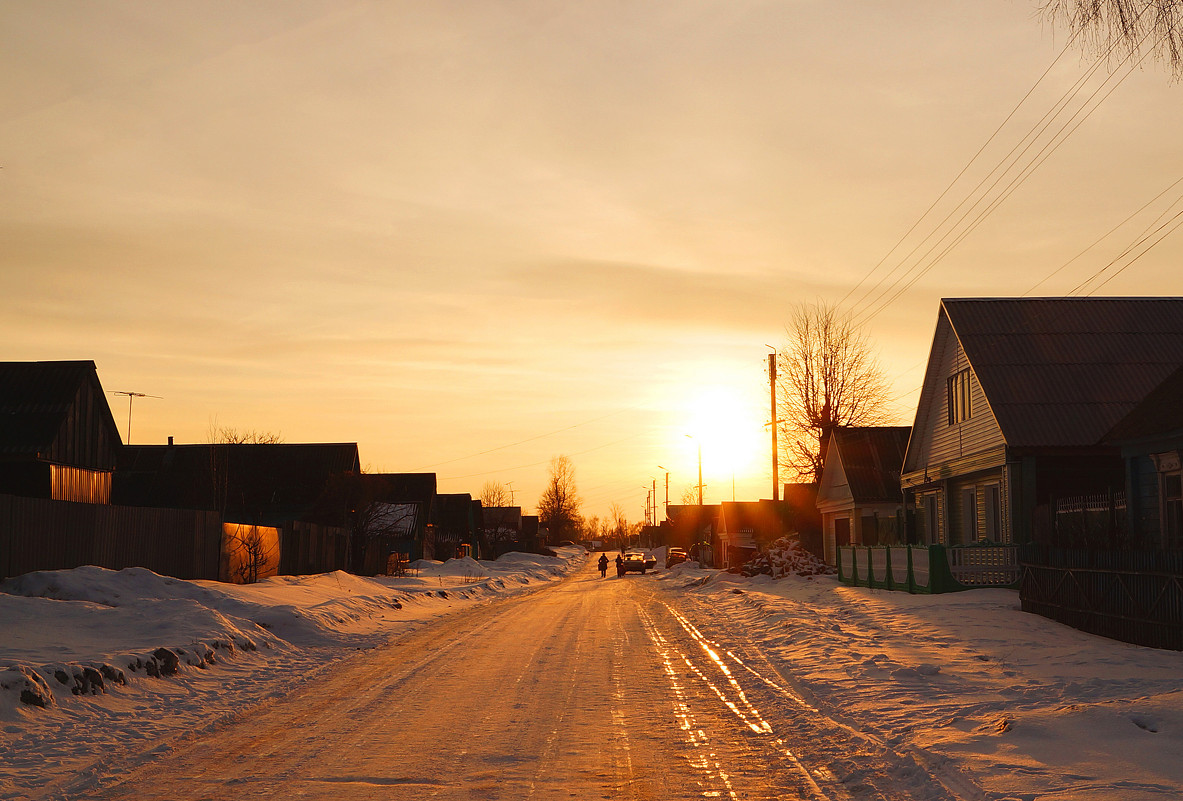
(1123, 27)
(827, 376)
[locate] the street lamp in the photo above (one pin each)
(667, 491)
(699, 444)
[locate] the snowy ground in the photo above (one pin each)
(1021, 707)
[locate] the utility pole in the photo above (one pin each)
(131, 396)
(509, 486)
(699, 444)
(654, 480)
(772, 425)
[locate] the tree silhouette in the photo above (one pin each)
(827, 376)
(558, 508)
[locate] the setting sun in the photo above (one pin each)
(729, 426)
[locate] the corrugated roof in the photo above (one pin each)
(1159, 414)
(871, 458)
(35, 398)
(1061, 372)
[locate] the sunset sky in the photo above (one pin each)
(471, 236)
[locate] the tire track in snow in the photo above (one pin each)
(732, 695)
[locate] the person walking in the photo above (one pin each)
(620, 564)
(603, 565)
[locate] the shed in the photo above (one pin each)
(58, 439)
(859, 496)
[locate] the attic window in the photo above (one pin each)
(959, 407)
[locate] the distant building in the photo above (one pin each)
(58, 439)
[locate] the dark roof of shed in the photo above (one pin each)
(35, 398)
(1063, 371)
(872, 457)
(1159, 414)
(275, 482)
(403, 487)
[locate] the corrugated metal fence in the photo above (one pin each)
(39, 534)
(1135, 597)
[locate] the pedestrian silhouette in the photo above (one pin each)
(603, 565)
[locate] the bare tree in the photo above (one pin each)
(827, 376)
(494, 493)
(618, 527)
(252, 553)
(226, 435)
(558, 508)
(690, 495)
(1123, 27)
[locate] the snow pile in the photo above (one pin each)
(68, 634)
(786, 557)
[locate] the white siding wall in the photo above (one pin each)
(934, 441)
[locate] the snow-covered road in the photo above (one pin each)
(506, 680)
(588, 688)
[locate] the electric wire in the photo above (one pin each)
(956, 178)
(1077, 118)
(1103, 237)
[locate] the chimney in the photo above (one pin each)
(170, 441)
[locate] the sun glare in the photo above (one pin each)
(729, 426)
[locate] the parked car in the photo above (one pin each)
(675, 556)
(638, 562)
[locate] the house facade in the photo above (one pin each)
(1151, 443)
(1018, 398)
(859, 495)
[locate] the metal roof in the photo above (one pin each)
(1159, 414)
(871, 459)
(1061, 372)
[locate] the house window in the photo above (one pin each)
(958, 389)
(1172, 511)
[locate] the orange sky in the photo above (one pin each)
(471, 236)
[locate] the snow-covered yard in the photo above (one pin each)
(966, 683)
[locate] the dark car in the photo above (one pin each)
(674, 556)
(637, 562)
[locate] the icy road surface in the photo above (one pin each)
(589, 688)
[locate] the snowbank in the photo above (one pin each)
(73, 642)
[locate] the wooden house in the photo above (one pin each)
(1018, 398)
(859, 496)
(58, 439)
(455, 520)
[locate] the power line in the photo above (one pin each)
(953, 183)
(1105, 236)
(919, 270)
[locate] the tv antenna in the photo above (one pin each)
(131, 396)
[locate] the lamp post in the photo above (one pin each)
(699, 444)
(667, 491)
